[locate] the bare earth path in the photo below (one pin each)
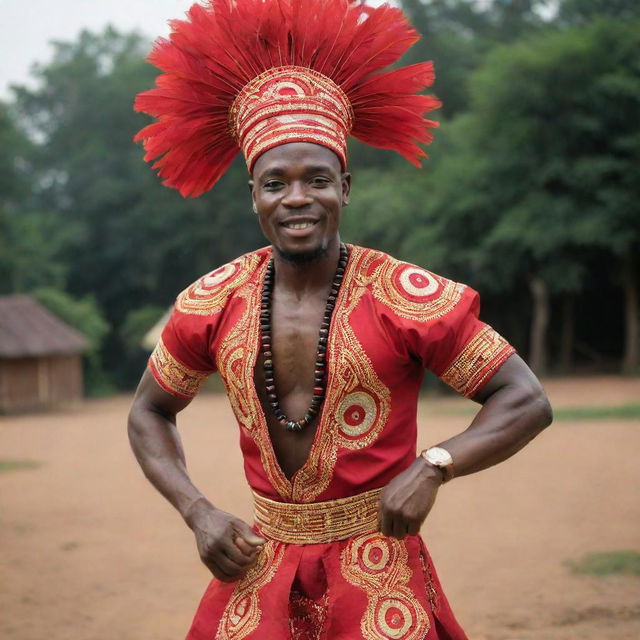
(88, 551)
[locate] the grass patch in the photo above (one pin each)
(608, 563)
(562, 414)
(14, 465)
(622, 412)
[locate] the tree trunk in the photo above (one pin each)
(631, 285)
(568, 334)
(539, 323)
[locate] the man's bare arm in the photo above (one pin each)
(515, 409)
(226, 544)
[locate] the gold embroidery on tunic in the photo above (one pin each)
(485, 352)
(432, 592)
(243, 611)
(208, 295)
(351, 426)
(351, 376)
(307, 617)
(413, 293)
(236, 359)
(174, 375)
(379, 566)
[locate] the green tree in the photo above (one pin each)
(457, 34)
(127, 240)
(85, 316)
(382, 206)
(581, 12)
(27, 237)
(12, 189)
(546, 173)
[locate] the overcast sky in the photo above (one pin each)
(29, 25)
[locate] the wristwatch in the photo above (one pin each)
(441, 458)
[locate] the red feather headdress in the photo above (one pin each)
(253, 74)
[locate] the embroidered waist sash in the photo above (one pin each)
(318, 522)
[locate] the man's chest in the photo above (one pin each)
(295, 333)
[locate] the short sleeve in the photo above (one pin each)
(435, 322)
(185, 355)
(461, 349)
(182, 359)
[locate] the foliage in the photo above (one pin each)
(13, 147)
(458, 33)
(85, 316)
(127, 240)
(81, 314)
(542, 173)
(382, 203)
(535, 172)
(137, 323)
(580, 12)
(569, 147)
(30, 258)
(131, 333)
(27, 258)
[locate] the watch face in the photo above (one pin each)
(438, 456)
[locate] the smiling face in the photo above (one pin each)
(298, 190)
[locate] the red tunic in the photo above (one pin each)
(392, 320)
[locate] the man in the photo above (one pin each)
(321, 346)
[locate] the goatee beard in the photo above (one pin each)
(302, 259)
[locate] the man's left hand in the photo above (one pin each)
(408, 498)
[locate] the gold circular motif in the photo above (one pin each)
(394, 618)
(414, 293)
(375, 555)
(209, 294)
(217, 277)
(418, 282)
(357, 413)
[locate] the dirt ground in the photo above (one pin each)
(88, 550)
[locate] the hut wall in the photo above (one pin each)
(19, 383)
(37, 383)
(65, 379)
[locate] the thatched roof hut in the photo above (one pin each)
(40, 357)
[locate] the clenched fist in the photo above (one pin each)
(406, 501)
(227, 545)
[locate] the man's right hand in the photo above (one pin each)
(227, 545)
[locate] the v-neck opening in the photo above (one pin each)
(263, 425)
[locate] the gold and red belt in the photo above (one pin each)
(318, 522)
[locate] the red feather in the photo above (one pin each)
(220, 47)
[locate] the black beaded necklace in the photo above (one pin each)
(319, 385)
